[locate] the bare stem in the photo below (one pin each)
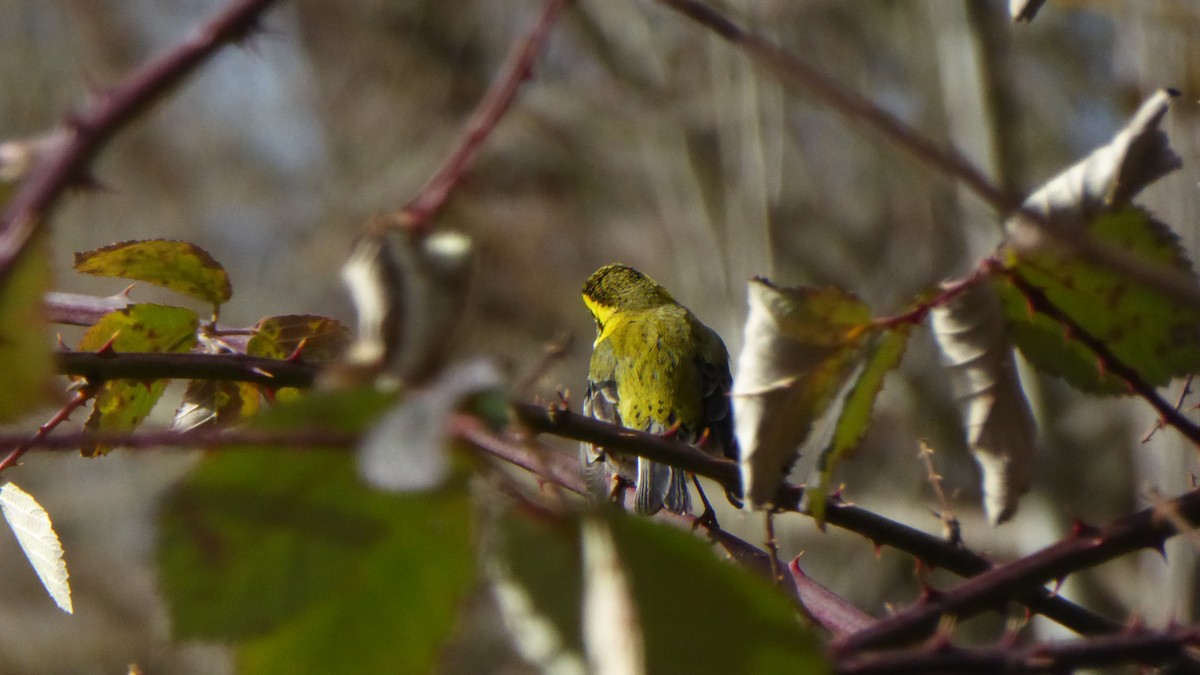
(89, 131)
(81, 397)
(417, 213)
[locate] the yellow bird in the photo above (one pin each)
(655, 367)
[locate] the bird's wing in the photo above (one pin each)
(599, 402)
(715, 385)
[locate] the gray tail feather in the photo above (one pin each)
(653, 486)
(678, 500)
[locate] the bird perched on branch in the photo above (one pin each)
(655, 368)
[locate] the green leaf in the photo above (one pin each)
(178, 265)
(215, 402)
(121, 405)
(346, 411)
(290, 555)
(1144, 329)
(883, 354)
(278, 337)
(736, 621)
(536, 571)
(25, 346)
(696, 612)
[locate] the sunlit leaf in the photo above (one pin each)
(1106, 180)
(1024, 10)
(215, 402)
(882, 354)
(121, 405)
(800, 346)
(280, 550)
(278, 337)
(1001, 431)
(35, 533)
(1143, 328)
(178, 265)
(25, 344)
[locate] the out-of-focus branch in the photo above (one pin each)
(148, 439)
(799, 73)
(77, 401)
(75, 309)
(417, 213)
(86, 133)
(796, 72)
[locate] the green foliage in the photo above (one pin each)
(216, 402)
(319, 338)
(698, 614)
(738, 623)
(801, 346)
(25, 351)
(1145, 329)
(883, 355)
(178, 265)
(290, 556)
(347, 411)
(121, 405)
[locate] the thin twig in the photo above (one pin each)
(82, 396)
(1160, 422)
(417, 213)
(89, 131)
(951, 529)
(552, 352)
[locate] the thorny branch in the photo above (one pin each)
(86, 133)
(417, 213)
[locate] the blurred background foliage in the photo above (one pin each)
(641, 138)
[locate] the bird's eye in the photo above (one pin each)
(599, 326)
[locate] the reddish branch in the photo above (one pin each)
(517, 68)
(1086, 547)
(1156, 648)
(86, 133)
(38, 439)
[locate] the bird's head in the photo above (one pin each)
(620, 288)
